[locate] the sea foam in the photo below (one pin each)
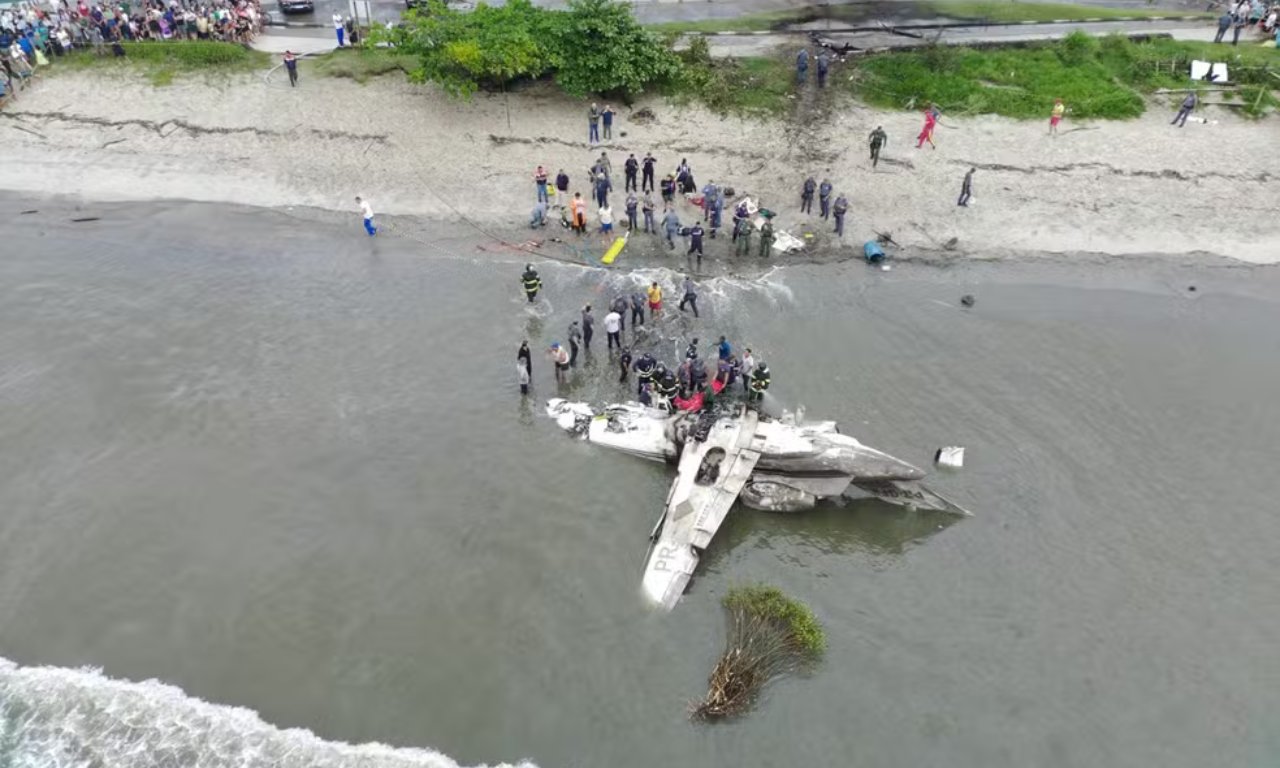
(53, 717)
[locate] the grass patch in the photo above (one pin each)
(1008, 10)
(749, 86)
(362, 64)
(768, 635)
(1105, 78)
(162, 62)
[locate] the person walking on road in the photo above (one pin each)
(593, 124)
(690, 296)
(1055, 117)
(338, 28)
(802, 66)
(876, 140)
(1188, 106)
(366, 212)
(291, 67)
(966, 189)
(1224, 23)
(841, 207)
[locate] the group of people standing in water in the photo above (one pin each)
(688, 386)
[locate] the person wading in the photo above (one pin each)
(532, 283)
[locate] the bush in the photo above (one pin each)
(769, 634)
(596, 46)
(1077, 49)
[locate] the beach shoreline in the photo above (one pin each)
(1131, 188)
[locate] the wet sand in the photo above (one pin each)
(1136, 187)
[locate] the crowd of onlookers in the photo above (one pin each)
(32, 33)
(1239, 15)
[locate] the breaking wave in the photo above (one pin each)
(51, 717)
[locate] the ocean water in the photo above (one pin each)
(286, 470)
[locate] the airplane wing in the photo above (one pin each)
(909, 493)
(711, 474)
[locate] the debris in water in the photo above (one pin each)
(86, 218)
(950, 245)
(1191, 288)
(967, 300)
(24, 213)
(950, 456)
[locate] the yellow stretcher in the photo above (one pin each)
(615, 249)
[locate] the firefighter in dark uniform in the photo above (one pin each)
(532, 283)
(644, 368)
(759, 383)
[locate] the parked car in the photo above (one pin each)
(297, 6)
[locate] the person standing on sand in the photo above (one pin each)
(366, 211)
(671, 223)
(338, 29)
(802, 66)
(647, 207)
(841, 207)
(1059, 109)
(926, 133)
(291, 66)
(646, 182)
(629, 168)
(966, 189)
(579, 214)
(806, 195)
(1188, 106)
(593, 124)
(877, 139)
(606, 221)
(562, 187)
(824, 198)
(607, 117)
(540, 181)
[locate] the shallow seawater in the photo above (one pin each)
(284, 468)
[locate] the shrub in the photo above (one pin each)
(769, 634)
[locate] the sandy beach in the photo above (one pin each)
(1139, 187)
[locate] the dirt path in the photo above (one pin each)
(1133, 187)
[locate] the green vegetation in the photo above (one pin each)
(596, 46)
(1096, 78)
(759, 87)
(161, 62)
(769, 634)
(360, 64)
(1009, 10)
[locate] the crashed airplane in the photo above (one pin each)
(776, 465)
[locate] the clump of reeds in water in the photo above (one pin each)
(769, 635)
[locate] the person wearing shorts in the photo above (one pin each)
(655, 300)
(1056, 117)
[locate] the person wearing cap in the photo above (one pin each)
(291, 66)
(560, 360)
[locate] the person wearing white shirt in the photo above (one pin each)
(337, 27)
(606, 220)
(748, 367)
(613, 329)
(366, 210)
